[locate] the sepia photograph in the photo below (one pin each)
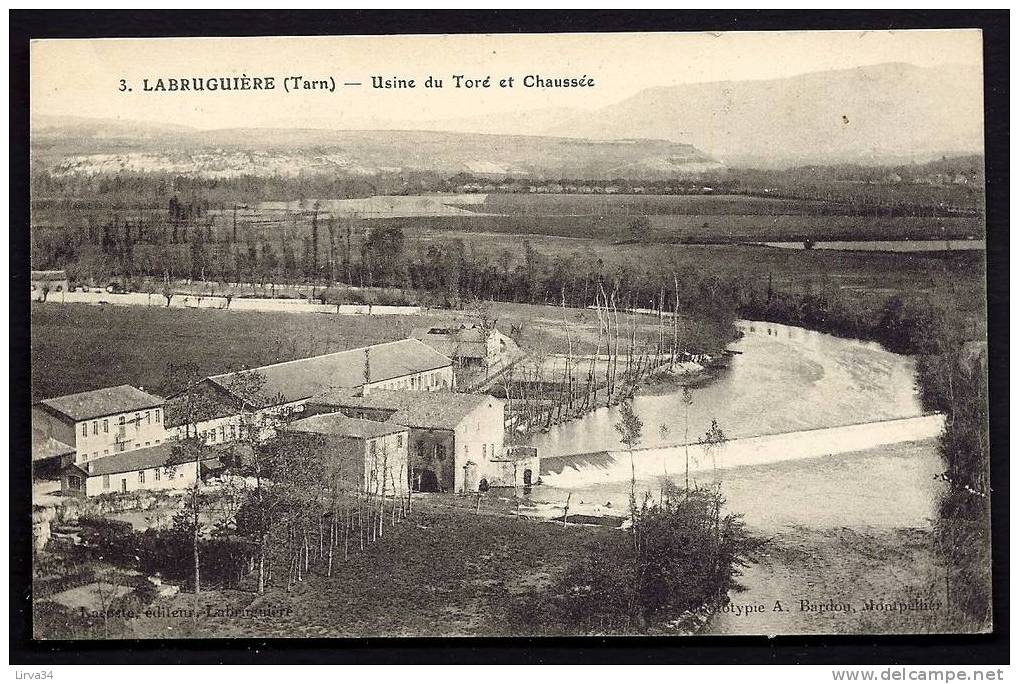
(673, 334)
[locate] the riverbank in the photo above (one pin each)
(845, 580)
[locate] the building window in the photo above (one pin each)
(399, 441)
(95, 427)
(233, 432)
(157, 474)
(84, 429)
(440, 452)
(106, 481)
(74, 482)
(222, 433)
(157, 441)
(484, 451)
(148, 443)
(137, 420)
(141, 477)
(157, 415)
(95, 454)
(106, 452)
(106, 426)
(148, 418)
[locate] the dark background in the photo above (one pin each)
(26, 25)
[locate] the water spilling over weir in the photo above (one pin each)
(584, 470)
(791, 395)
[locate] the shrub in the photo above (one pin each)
(114, 541)
(681, 554)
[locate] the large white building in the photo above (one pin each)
(101, 422)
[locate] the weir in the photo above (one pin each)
(582, 470)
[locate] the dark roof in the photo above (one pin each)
(300, 379)
(157, 456)
(342, 426)
(453, 342)
(44, 447)
(138, 459)
(206, 401)
(102, 402)
(414, 408)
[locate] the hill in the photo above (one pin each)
(91, 146)
(882, 114)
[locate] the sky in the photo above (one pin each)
(83, 77)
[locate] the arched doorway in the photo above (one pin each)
(426, 481)
(527, 477)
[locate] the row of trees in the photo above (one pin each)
(128, 189)
(630, 346)
(450, 271)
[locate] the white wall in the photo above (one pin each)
(218, 430)
(429, 381)
(394, 448)
(179, 477)
(214, 302)
(95, 438)
(52, 426)
(478, 438)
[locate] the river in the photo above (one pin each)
(888, 245)
(784, 379)
(849, 524)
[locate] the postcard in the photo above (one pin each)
(509, 335)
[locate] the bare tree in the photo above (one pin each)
(687, 403)
(189, 407)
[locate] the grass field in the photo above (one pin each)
(628, 205)
(703, 219)
(704, 228)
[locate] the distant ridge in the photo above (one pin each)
(887, 113)
(105, 146)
